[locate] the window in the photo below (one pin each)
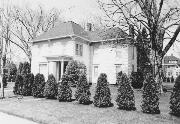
(79, 49)
(95, 71)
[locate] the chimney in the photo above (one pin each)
(89, 27)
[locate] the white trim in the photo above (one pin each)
(71, 36)
(112, 39)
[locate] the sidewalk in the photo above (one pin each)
(9, 119)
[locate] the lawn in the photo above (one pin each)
(54, 112)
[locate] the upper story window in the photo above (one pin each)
(79, 49)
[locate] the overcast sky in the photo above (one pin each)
(74, 10)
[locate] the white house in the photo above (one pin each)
(171, 66)
(108, 51)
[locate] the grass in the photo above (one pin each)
(54, 112)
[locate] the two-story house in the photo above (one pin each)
(171, 66)
(108, 51)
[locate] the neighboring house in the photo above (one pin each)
(171, 66)
(68, 41)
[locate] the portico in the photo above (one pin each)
(57, 65)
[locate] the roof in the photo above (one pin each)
(63, 29)
(69, 29)
(171, 58)
(106, 34)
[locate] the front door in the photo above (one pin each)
(64, 68)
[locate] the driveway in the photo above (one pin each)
(10, 119)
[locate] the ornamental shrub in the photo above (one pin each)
(175, 98)
(38, 85)
(26, 68)
(102, 96)
(73, 70)
(82, 93)
(50, 90)
(137, 80)
(27, 84)
(125, 99)
(13, 69)
(20, 68)
(150, 102)
(64, 90)
(18, 87)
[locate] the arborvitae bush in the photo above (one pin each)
(18, 88)
(20, 68)
(102, 96)
(27, 84)
(64, 90)
(82, 93)
(50, 90)
(137, 80)
(26, 68)
(38, 85)
(168, 79)
(125, 99)
(150, 102)
(73, 70)
(175, 98)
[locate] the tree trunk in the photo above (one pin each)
(159, 73)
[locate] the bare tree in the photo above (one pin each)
(30, 23)
(161, 21)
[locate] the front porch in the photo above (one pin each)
(57, 65)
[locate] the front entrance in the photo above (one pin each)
(61, 64)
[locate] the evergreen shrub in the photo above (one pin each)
(150, 102)
(38, 85)
(64, 90)
(27, 84)
(137, 80)
(18, 87)
(82, 93)
(50, 90)
(125, 99)
(102, 96)
(175, 98)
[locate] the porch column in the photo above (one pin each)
(62, 67)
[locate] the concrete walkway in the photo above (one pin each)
(10, 119)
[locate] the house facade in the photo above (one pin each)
(68, 41)
(171, 66)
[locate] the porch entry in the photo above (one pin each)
(61, 68)
(57, 65)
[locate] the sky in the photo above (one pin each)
(77, 11)
(74, 10)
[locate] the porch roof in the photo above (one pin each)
(59, 58)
